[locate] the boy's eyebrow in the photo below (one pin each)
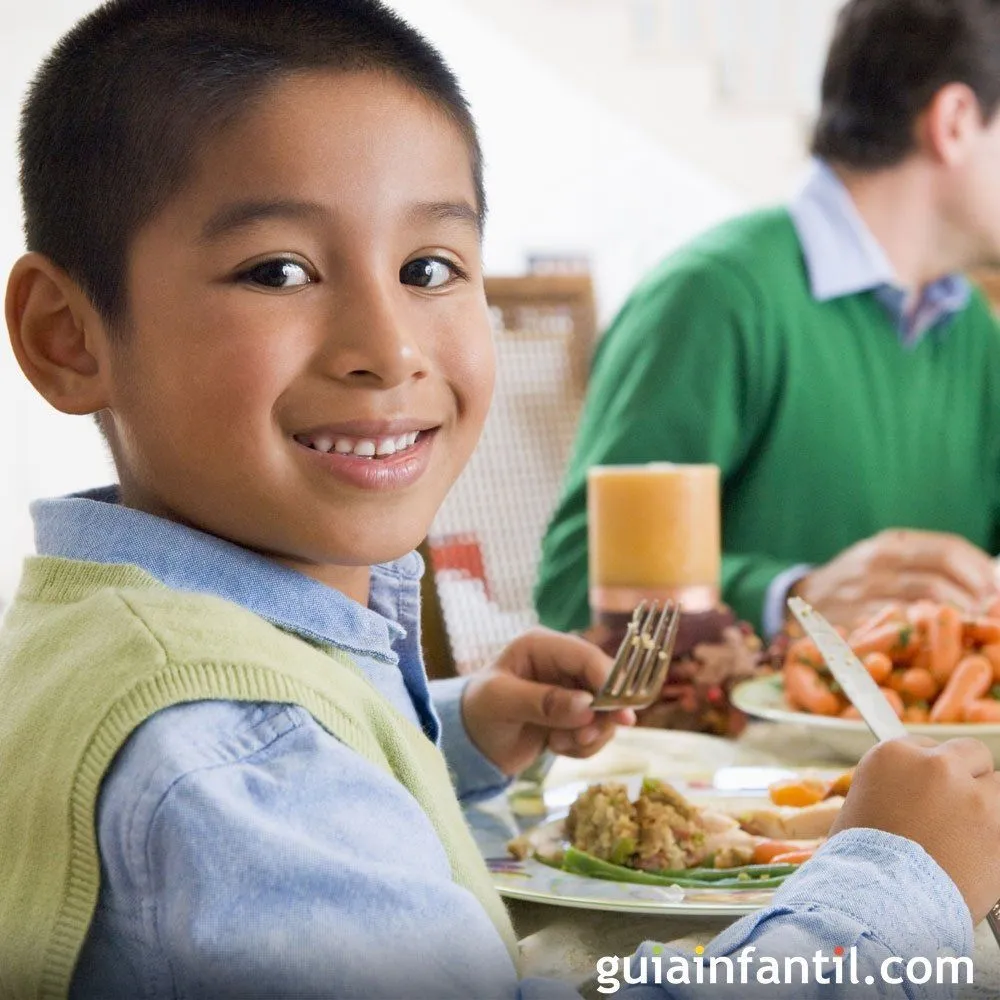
(237, 214)
(444, 211)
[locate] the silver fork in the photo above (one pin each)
(642, 660)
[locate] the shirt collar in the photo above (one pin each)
(843, 257)
(93, 526)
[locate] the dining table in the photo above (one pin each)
(563, 942)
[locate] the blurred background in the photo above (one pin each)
(613, 131)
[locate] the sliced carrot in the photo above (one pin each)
(944, 637)
(970, 680)
(916, 714)
(879, 666)
(992, 653)
(850, 713)
(793, 857)
(982, 710)
(768, 849)
(841, 785)
(981, 630)
(804, 688)
(918, 684)
(798, 792)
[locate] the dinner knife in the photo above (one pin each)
(849, 672)
(862, 691)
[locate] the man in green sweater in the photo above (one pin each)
(827, 356)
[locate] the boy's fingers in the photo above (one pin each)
(583, 742)
(973, 753)
(518, 700)
(555, 658)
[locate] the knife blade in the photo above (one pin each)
(863, 692)
(849, 672)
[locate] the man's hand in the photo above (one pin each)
(944, 797)
(899, 565)
(538, 695)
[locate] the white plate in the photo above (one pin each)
(765, 699)
(493, 825)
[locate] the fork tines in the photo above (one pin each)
(641, 664)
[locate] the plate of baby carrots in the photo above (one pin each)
(938, 667)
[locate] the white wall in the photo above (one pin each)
(563, 175)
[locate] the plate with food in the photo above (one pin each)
(716, 848)
(938, 668)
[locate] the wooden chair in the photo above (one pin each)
(483, 548)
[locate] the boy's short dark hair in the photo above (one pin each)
(888, 59)
(117, 112)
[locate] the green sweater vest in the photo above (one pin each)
(826, 428)
(87, 653)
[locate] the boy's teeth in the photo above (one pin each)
(365, 447)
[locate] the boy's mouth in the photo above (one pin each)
(361, 447)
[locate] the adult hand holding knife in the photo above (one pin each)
(965, 763)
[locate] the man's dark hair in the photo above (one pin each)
(888, 59)
(118, 111)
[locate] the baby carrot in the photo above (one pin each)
(992, 653)
(894, 699)
(981, 630)
(896, 640)
(970, 680)
(980, 710)
(805, 651)
(916, 713)
(944, 637)
(804, 688)
(879, 666)
(889, 613)
(918, 684)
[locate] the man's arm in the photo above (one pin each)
(680, 376)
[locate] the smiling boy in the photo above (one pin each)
(254, 232)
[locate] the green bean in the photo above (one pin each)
(746, 877)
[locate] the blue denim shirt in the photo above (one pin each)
(843, 257)
(247, 853)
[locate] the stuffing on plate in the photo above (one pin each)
(658, 831)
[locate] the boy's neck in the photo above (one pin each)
(353, 582)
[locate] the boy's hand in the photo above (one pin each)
(538, 695)
(946, 798)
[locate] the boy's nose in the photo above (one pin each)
(374, 341)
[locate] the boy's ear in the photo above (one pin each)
(58, 338)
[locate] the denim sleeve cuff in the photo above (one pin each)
(889, 884)
(476, 777)
(777, 593)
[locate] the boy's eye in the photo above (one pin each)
(428, 272)
(278, 273)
